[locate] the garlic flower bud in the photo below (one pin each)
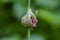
(29, 19)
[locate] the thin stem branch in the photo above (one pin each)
(29, 31)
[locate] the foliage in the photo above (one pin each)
(48, 16)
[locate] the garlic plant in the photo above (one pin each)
(29, 20)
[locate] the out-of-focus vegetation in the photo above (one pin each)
(11, 12)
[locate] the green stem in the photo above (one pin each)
(29, 2)
(28, 33)
(29, 30)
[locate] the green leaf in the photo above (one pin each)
(47, 3)
(49, 17)
(18, 10)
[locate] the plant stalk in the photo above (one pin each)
(29, 31)
(29, 2)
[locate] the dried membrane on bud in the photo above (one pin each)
(29, 19)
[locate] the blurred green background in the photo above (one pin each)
(11, 12)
